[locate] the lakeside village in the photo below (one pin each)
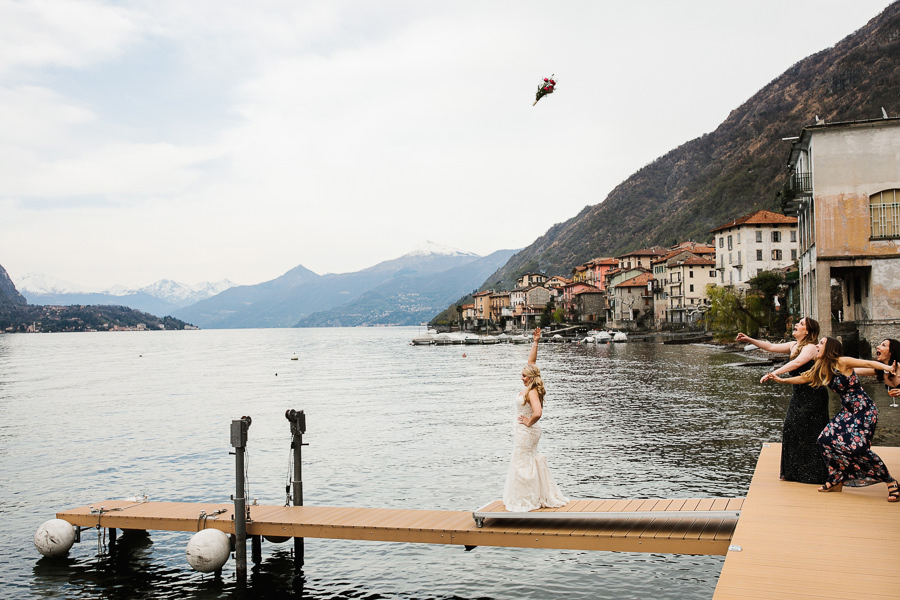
(834, 251)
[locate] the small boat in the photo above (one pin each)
(294, 357)
(600, 337)
(423, 340)
(620, 336)
(442, 340)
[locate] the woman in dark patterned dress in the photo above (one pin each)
(847, 439)
(807, 413)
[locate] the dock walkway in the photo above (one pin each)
(681, 526)
(795, 543)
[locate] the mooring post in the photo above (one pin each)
(239, 429)
(298, 428)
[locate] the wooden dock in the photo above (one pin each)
(794, 543)
(664, 526)
(789, 542)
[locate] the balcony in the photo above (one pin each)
(797, 186)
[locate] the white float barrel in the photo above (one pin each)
(208, 550)
(54, 537)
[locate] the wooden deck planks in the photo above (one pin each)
(661, 534)
(797, 543)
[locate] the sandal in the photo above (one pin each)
(837, 487)
(893, 491)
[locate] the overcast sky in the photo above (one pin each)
(202, 140)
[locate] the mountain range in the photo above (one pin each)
(404, 291)
(738, 168)
(161, 298)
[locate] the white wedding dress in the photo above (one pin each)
(529, 484)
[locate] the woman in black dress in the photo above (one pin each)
(807, 413)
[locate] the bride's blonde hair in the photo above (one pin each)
(534, 381)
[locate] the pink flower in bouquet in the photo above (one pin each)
(545, 79)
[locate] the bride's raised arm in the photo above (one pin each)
(532, 356)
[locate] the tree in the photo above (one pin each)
(768, 285)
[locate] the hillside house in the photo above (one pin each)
(688, 275)
(568, 298)
(482, 301)
(529, 279)
(844, 184)
(640, 259)
(632, 300)
(760, 241)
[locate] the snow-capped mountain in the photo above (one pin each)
(428, 247)
(179, 293)
(38, 283)
(158, 298)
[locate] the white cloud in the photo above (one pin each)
(60, 33)
(215, 139)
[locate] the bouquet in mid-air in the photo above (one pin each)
(544, 88)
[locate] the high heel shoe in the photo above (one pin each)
(837, 487)
(893, 491)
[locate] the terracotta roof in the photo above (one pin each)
(760, 217)
(654, 251)
(693, 259)
(637, 281)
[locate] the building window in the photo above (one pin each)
(793, 236)
(759, 254)
(721, 242)
(793, 254)
(776, 254)
(691, 287)
(712, 275)
(729, 242)
(776, 236)
(691, 273)
(759, 236)
(884, 213)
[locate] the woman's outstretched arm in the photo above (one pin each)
(532, 356)
(784, 348)
(848, 362)
(793, 380)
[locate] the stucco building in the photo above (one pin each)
(760, 241)
(844, 185)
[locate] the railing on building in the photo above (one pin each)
(885, 219)
(797, 186)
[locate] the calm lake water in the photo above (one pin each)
(95, 416)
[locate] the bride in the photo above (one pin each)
(529, 484)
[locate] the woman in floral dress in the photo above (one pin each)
(846, 440)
